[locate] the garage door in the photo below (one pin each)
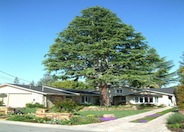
(19, 100)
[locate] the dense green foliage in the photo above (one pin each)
(175, 118)
(181, 70)
(28, 118)
(34, 105)
(78, 120)
(180, 97)
(66, 105)
(1, 103)
(98, 47)
(175, 122)
(70, 84)
(27, 110)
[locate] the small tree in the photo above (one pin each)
(1, 103)
(181, 70)
(180, 97)
(16, 81)
(46, 80)
(66, 105)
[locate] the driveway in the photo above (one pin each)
(119, 125)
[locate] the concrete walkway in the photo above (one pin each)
(119, 125)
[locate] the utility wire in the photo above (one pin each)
(13, 76)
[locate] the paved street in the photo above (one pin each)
(4, 127)
(119, 125)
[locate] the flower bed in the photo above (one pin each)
(152, 116)
(107, 118)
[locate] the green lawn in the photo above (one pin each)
(117, 113)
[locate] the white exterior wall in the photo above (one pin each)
(130, 99)
(18, 97)
(8, 89)
(163, 100)
(38, 98)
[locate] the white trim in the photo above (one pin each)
(158, 92)
(22, 88)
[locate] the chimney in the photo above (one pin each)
(42, 88)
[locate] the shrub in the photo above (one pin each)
(1, 103)
(28, 110)
(78, 120)
(175, 118)
(35, 105)
(66, 105)
(145, 106)
(180, 97)
(28, 118)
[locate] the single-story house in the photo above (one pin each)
(20, 95)
(156, 96)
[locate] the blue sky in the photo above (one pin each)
(29, 27)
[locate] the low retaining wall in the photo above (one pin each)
(3, 110)
(42, 113)
(93, 108)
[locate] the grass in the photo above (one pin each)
(117, 113)
(153, 116)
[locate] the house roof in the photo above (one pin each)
(53, 91)
(164, 90)
(135, 91)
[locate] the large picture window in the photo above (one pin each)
(146, 99)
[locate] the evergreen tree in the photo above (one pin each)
(16, 80)
(181, 70)
(32, 83)
(103, 50)
(46, 80)
(70, 84)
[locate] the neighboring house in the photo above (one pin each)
(127, 95)
(20, 95)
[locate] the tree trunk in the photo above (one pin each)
(104, 95)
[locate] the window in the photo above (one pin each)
(141, 99)
(123, 98)
(119, 91)
(136, 99)
(156, 99)
(85, 99)
(151, 99)
(146, 99)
